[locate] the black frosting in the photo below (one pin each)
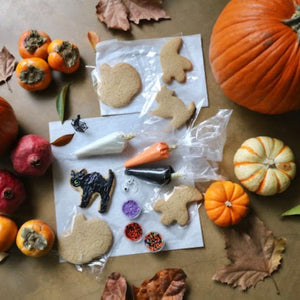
(161, 175)
(91, 183)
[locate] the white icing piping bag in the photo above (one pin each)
(115, 142)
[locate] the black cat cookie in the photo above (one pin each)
(90, 185)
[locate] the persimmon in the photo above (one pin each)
(34, 43)
(63, 56)
(8, 232)
(33, 74)
(35, 238)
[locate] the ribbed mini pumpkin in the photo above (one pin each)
(264, 165)
(226, 203)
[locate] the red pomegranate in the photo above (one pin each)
(32, 156)
(12, 192)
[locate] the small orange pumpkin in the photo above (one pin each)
(9, 127)
(33, 74)
(34, 43)
(226, 203)
(63, 56)
(35, 238)
(8, 232)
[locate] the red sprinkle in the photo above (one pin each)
(133, 231)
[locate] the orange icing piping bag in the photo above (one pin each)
(156, 152)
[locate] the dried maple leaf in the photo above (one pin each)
(115, 287)
(145, 10)
(7, 64)
(115, 13)
(165, 284)
(253, 251)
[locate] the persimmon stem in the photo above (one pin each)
(275, 284)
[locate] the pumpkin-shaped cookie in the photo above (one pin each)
(226, 203)
(265, 165)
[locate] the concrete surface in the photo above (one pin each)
(28, 278)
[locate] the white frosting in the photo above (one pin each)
(115, 142)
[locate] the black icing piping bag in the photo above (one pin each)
(161, 175)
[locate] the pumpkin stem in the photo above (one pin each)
(228, 203)
(269, 162)
(294, 21)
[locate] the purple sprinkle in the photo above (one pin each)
(131, 209)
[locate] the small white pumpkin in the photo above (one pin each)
(264, 165)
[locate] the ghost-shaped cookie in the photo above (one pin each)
(174, 66)
(119, 84)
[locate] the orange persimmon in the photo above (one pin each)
(33, 74)
(8, 232)
(35, 238)
(34, 43)
(63, 56)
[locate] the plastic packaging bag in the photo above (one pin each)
(143, 55)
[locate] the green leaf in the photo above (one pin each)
(293, 211)
(61, 101)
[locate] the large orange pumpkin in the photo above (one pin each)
(255, 54)
(8, 126)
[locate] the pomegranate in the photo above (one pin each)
(32, 156)
(12, 192)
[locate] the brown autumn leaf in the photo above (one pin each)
(115, 14)
(115, 287)
(7, 65)
(253, 251)
(145, 10)
(165, 284)
(63, 140)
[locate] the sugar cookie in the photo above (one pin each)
(174, 208)
(119, 84)
(173, 64)
(87, 240)
(170, 106)
(92, 184)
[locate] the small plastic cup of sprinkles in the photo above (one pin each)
(131, 209)
(154, 241)
(133, 231)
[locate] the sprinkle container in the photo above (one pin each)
(131, 209)
(154, 241)
(133, 231)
